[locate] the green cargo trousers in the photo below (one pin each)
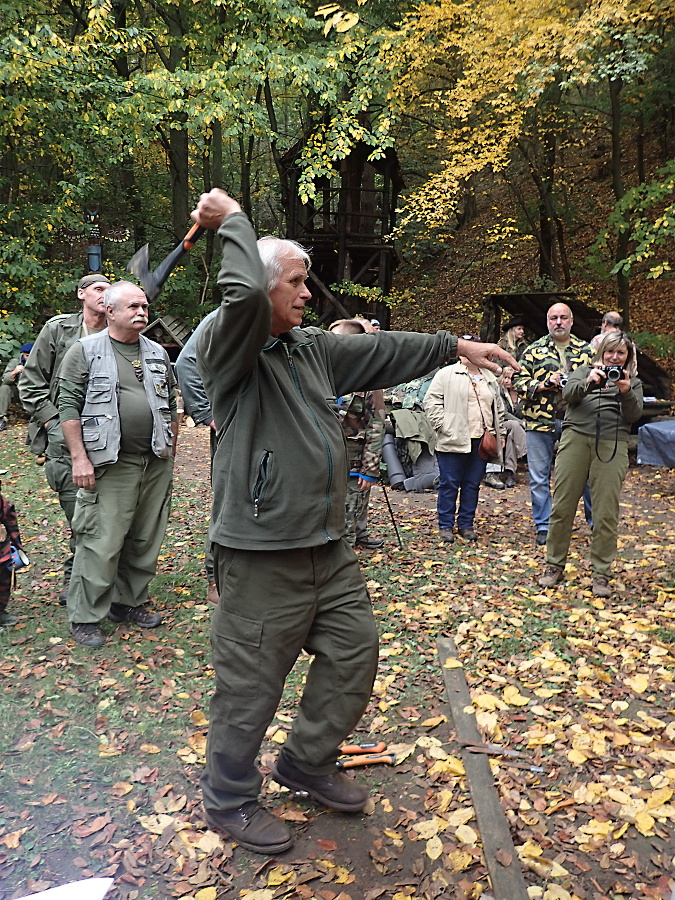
(576, 462)
(59, 473)
(273, 605)
(119, 528)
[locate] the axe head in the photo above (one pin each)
(139, 265)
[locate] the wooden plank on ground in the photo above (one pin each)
(507, 880)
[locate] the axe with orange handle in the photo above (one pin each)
(152, 282)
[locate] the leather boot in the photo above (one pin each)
(335, 790)
(252, 827)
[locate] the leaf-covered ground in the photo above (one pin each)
(101, 752)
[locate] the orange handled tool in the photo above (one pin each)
(351, 749)
(367, 759)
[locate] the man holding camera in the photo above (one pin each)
(545, 368)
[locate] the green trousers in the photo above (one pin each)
(9, 393)
(119, 528)
(273, 605)
(59, 473)
(577, 462)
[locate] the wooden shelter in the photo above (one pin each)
(532, 307)
(347, 228)
(169, 331)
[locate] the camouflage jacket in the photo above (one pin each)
(410, 394)
(541, 359)
(364, 432)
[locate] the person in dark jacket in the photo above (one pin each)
(198, 408)
(10, 542)
(287, 579)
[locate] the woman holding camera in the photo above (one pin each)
(602, 403)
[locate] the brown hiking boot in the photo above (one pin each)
(552, 576)
(601, 586)
(252, 827)
(335, 790)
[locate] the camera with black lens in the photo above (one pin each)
(563, 380)
(613, 373)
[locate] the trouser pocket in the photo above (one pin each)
(86, 518)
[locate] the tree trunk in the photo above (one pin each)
(127, 172)
(624, 236)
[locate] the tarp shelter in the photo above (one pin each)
(533, 306)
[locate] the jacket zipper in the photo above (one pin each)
(261, 481)
(296, 382)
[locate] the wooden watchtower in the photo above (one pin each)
(347, 228)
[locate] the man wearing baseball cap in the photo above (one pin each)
(38, 390)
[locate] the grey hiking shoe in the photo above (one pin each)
(88, 634)
(252, 827)
(335, 790)
(494, 481)
(139, 615)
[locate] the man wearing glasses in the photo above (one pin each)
(117, 408)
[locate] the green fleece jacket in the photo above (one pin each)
(617, 411)
(280, 468)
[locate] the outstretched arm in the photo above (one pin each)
(483, 355)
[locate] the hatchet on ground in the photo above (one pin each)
(152, 282)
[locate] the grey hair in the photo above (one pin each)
(274, 251)
(613, 319)
(114, 293)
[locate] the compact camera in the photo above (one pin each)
(613, 373)
(563, 380)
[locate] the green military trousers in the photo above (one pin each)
(119, 528)
(577, 461)
(273, 605)
(59, 472)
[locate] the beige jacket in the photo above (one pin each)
(447, 403)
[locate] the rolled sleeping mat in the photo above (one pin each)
(395, 471)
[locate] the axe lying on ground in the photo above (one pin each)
(152, 282)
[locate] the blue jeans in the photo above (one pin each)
(540, 447)
(460, 473)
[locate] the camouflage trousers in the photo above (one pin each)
(356, 505)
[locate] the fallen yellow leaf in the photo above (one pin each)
(434, 847)
(208, 893)
(513, 697)
(466, 834)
